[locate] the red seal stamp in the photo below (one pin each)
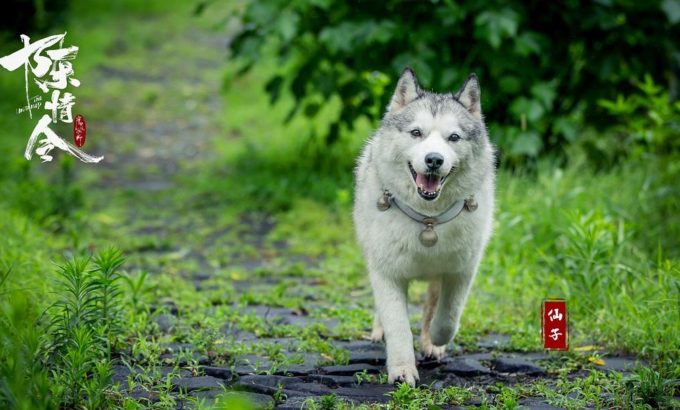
(555, 324)
(79, 130)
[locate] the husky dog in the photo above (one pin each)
(423, 209)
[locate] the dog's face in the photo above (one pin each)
(432, 138)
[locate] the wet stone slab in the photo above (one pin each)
(283, 316)
(166, 322)
(620, 364)
(376, 356)
(297, 369)
(311, 388)
(375, 393)
(298, 402)
(517, 365)
(224, 373)
(251, 364)
(287, 343)
(350, 369)
(188, 384)
(537, 404)
(493, 341)
(465, 367)
(333, 380)
(266, 384)
(233, 333)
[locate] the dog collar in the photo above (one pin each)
(428, 237)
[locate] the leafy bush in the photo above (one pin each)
(643, 122)
(543, 66)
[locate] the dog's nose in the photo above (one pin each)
(434, 160)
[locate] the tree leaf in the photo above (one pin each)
(527, 43)
(672, 10)
(286, 25)
(273, 87)
(531, 108)
(494, 26)
(545, 92)
(527, 143)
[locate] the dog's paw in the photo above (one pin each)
(431, 351)
(403, 373)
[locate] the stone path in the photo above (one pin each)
(359, 381)
(145, 150)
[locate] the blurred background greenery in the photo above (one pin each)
(581, 99)
(552, 74)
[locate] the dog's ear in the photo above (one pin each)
(407, 91)
(469, 96)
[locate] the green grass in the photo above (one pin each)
(607, 241)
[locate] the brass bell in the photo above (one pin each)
(428, 237)
(471, 204)
(384, 201)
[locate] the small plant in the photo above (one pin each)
(362, 377)
(84, 324)
(455, 395)
(136, 287)
(507, 399)
(279, 396)
(405, 396)
(649, 387)
(329, 402)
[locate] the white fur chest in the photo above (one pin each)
(390, 238)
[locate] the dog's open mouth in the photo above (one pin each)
(429, 185)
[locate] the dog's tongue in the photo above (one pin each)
(428, 183)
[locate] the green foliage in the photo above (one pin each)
(507, 398)
(24, 383)
(107, 270)
(136, 288)
(646, 121)
(588, 238)
(540, 84)
(416, 398)
(62, 359)
(650, 387)
(84, 323)
(24, 257)
(53, 201)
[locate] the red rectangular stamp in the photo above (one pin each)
(555, 324)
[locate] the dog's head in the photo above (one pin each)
(431, 139)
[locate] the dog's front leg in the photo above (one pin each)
(453, 293)
(390, 302)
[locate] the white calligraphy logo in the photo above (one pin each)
(52, 71)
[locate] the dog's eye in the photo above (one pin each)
(454, 137)
(416, 133)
